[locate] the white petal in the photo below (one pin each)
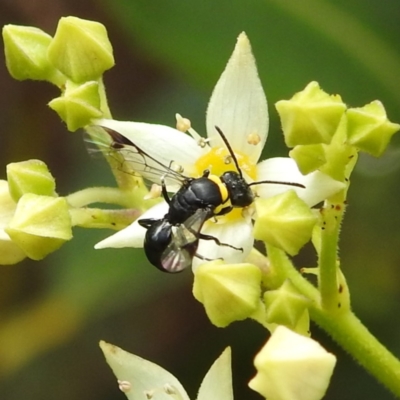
(163, 143)
(217, 384)
(141, 377)
(238, 104)
(318, 186)
(237, 233)
(133, 235)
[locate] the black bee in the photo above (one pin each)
(171, 242)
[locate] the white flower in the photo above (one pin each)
(238, 106)
(142, 379)
(292, 367)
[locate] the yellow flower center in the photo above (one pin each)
(218, 160)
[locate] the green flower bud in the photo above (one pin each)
(78, 105)
(284, 221)
(30, 176)
(369, 128)
(310, 116)
(285, 306)
(291, 366)
(303, 324)
(10, 253)
(40, 225)
(308, 157)
(229, 292)
(81, 49)
(25, 49)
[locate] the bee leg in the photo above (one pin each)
(216, 240)
(206, 173)
(147, 222)
(205, 258)
(164, 190)
(225, 211)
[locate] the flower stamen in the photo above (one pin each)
(217, 160)
(253, 138)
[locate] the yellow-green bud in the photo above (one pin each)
(229, 292)
(285, 306)
(25, 49)
(10, 253)
(78, 105)
(308, 157)
(30, 176)
(369, 128)
(291, 366)
(310, 116)
(81, 49)
(284, 221)
(40, 225)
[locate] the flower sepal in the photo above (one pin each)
(26, 54)
(285, 306)
(284, 221)
(40, 225)
(10, 253)
(80, 49)
(30, 176)
(292, 366)
(229, 292)
(308, 158)
(369, 128)
(79, 104)
(310, 116)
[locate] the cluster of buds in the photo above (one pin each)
(326, 135)
(74, 60)
(34, 220)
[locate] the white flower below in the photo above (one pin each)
(292, 367)
(141, 379)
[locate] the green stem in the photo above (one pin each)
(128, 198)
(345, 328)
(103, 100)
(331, 216)
(125, 180)
(282, 269)
(103, 219)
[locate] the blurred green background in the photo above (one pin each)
(169, 54)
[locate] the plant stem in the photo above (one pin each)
(123, 198)
(327, 262)
(88, 217)
(344, 327)
(347, 330)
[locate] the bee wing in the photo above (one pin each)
(131, 159)
(185, 240)
(176, 259)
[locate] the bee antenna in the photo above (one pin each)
(228, 146)
(278, 183)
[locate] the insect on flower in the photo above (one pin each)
(161, 154)
(171, 242)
